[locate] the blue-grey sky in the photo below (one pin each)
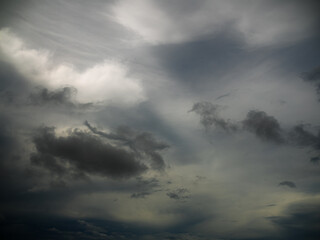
(156, 119)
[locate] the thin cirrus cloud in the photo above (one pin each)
(104, 82)
(166, 22)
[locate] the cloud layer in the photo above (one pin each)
(107, 81)
(155, 120)
(185, 21)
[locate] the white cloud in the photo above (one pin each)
(106, 82)
(258, 22)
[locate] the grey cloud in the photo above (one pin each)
(313, 76)
(288, 184)
(142, 143)
(315, 160)
(59, 97)
(301, 221)
(200, 59)
(179, 194)
(80, 152)
(146, 187)
(209, 116)
(264, 126)
(301, 137)
(140, 194)
(223, 96)
(13, 85)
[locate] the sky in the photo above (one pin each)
(160, 120)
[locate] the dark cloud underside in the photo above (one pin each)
(313, 77)
(209, 116)
(302, 221)
(142, 143)
(288, 184)
(126, 85)
(263, 126)
(83, 153)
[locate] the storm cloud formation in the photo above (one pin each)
(288, 184)
(209, 116)
(265, 127)
(301, 221)
(313, 77)
(61, 97)
(142, 143)
(82, 153)
(258, 122)
(302, 137)
(178, 194)
(158, 120)
(146, 187)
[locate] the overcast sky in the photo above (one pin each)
(158, 119)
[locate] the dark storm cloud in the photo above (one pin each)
(84, 153)
(223, 96)
(44, 226)
(6, 140)
(140, 194)
(145, 116)
(315, 160)
(30, 227)
(288, 184)
(301, 221)
(146, 187)
(209, 116)
(142, 143)
(12, 84)
(313, 76)
(263, 126)
(179, 194)
(200, 58)
(258, 122)
(59, 97)
(301, 137)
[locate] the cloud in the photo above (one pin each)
(313, 77)
(209, 116)
(263, 126)
(58, 96)
(258, 122)
(179, 194)
(142, 143)
(315, 160)
(288, 184)
(301, 221)
(64, 97)
(223, 96)
(299, 136)
(146, 187)
(261, 24)
(80, 153)
(105, 82)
